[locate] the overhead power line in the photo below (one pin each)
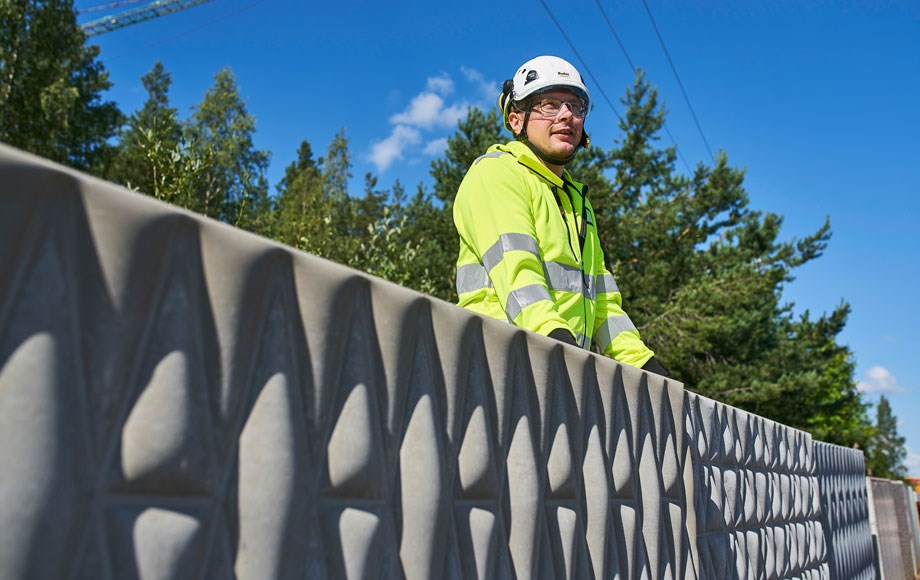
(208, 23)
(677, 76)
(615, 35)
(599, 86)
(635, 71)
(581, 60)
(166, 40)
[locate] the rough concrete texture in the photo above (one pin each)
(845, 512)
(179, 399)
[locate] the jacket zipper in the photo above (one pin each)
(568, 231)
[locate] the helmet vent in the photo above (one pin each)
(532, 75)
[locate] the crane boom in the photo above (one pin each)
(135, 15)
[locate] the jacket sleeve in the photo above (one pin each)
(614, 333)
(494, 216)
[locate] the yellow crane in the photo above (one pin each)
(133, 16)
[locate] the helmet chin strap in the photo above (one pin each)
(560, 161)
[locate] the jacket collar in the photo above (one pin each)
(525, 157)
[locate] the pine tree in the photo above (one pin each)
(886, 453)
(820, 393)
(476, 133)
(702, 276)
(430, 219)
(337, 168)
(51, 86)
(343, 235)
(302, 213)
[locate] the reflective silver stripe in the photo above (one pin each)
(524, 297)
(564, 277)
(487, 155)
(581, 339)
(591, 291)
(607, 283)
(611, 327)
(507, 243)
(472, 277)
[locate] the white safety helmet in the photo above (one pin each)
(537, 75)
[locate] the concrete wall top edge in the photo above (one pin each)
(103, 201)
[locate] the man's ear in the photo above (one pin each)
(516, 120)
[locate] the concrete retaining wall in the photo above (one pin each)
(895, 518)
(179, 399)
(845, 512)
(757, 500)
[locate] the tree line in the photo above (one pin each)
(702, 272)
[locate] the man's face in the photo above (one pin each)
(557, 135)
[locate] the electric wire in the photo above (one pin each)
(582, 61)
(679, 83)
(635, 71)
(616, 36)
(207, 24)
(169, 39)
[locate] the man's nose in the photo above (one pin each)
(566, 109)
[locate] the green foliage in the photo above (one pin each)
(151, 140)
(474, 135)
(232, 187)
(171, 167)
(314, 212)
(303, 215)
(384, 252)
(207, 164)
(431, 214)
(337, 168)
(51, 86)
(886, 453)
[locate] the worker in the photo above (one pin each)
(529, 247)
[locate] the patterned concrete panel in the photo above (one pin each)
(911, 515)
(179, 399)
(845, 512)
(892, 510)
(756, 495)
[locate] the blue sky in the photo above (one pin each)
(816, 99)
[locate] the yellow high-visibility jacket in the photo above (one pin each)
(530, 254)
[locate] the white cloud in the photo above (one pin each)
(912, 463)
(488, 90)
(423, 111)
(427, 111)
(442, 84)
(435, 147)
(879, 380)
(452, 114)
(431, 112)
(384, 153)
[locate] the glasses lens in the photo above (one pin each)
(551, 107)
